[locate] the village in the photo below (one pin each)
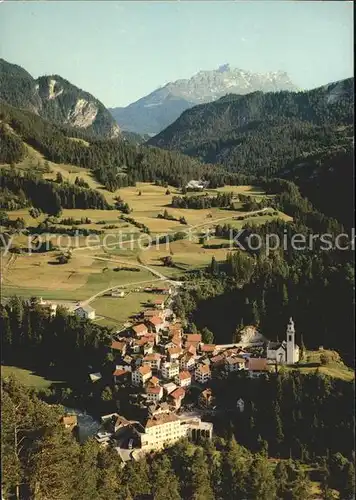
(163, 363)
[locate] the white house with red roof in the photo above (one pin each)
(202, 374)
(187, 361)
(183, 379)
(159, 304)
(121, 374)
(234, 363)
(154, 393)
(140, 330)
(118, 347)
(156, 324)
(141, 375)
(209, 349)
(153, 360)
(257, 367)
(176, 397)
(174, 353)
(192, 339)
(169, 370)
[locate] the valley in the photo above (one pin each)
(36, 275)
(134, 296)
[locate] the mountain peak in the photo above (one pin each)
(160, 108)
(224, 68)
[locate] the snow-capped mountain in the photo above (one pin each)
(154, 112)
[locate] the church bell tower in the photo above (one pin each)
(291, 347)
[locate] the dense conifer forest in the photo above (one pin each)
(261, 133)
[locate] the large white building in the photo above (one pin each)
(167, 428)
(286, 352)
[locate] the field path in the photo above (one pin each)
(159, 277)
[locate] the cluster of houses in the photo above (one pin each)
(163, 361)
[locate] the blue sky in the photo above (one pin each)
(121, 51)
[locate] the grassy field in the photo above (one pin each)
(153, 200)
(26, 377)
(183, 252)
(258, 220)
(333, 368)
(81, 277)
(116, 311)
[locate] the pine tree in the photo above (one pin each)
(109, 474)
(59, 178)
(106, 395)
(5, 328)
(255, 313)
(302, 348)
(199, 481)
(281, 475)
(347, 491)
(86, 486)
(285, 297)
(302, 488)
(214, 267)
(278, 425)
(54, 465)
(165, 485)
(214, 460)
(136, 476)
(262, 481)
(235, 471)
(207, 336)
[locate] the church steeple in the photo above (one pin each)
(292, 355)
(290, 328)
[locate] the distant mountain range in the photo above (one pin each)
(260, 133)
(55, 99)
(154, 112)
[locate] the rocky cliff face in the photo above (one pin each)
(208, 86)
(156, 111)
(55, 99)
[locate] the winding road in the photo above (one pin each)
(160, 277)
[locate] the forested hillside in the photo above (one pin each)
(41, 459)
(56, 99)
(313, 283)
(115, 163)
(326, 179)
(262, 133)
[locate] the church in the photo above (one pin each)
(286, 352)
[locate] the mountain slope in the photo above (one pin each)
(154, 112)
(260, 133)
(114, 162)
(326, 179)
(55, 99)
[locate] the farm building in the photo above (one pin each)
(85, 312)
